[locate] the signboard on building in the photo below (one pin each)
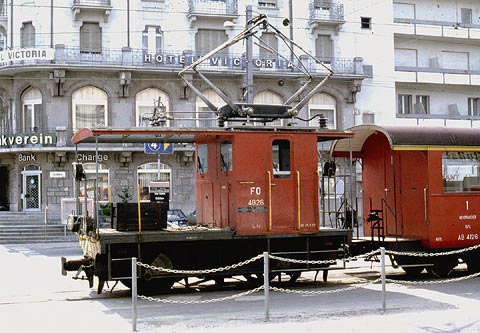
(158, 148)
(27, 54)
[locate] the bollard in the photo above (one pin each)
(266, 287)
(382, 259)
(134, 294)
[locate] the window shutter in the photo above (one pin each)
(324, 48)
(90, 38)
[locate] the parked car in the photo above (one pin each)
(192, 218)
(177, 216)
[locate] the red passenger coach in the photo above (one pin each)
(421, 190)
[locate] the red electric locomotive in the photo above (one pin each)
(421, 191)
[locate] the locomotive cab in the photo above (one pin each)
(259, 182)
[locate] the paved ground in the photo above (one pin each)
(35, 298)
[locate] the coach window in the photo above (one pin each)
(226, 156)
(460, 171)
(281, 158)
(202, 159)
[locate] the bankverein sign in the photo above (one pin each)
(27, 54)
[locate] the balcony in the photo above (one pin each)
(220, 9)
(437, 75)
(92, 7)
(325, 13)
(135, 59)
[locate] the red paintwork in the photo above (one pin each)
(415, 205)
(221, 196)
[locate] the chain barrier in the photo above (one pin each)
(300, 261)
(461, 278)
(433, 254)
(319, 292)
(215, 300)
(206, 271)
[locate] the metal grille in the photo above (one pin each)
(32, 192)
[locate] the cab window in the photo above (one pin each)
(281, 158)
(202, 159)
(226, 156)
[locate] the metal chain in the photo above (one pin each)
(214, 300)
(461, 278)
(318, 292)
(207, 271)
(433, 254)
(298, 261)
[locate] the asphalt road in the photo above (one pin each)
(35, 297)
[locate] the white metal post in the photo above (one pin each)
(266, 287)
(384, 301)
(134, 294)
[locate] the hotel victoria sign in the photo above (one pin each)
(27, 54)
(225, 61)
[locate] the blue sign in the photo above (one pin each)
(158, 148)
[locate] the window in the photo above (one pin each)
(27, 35)
(32, 111)
(324, 48)
(267, 3)
(268, 41)
(89, 105)
(151, 172)
(202, 159)
(268, 97)
(422, 104)
(90, 38)
(206, 40)
(466, 15)
(473, 106)
(460, 171)
(89, 183)
(204, 116)
(144, 103)
(152, 40)
(322, 103)
(366, 22)
(404, 104)
(226, 156)
(281, 158)
(455, 60)
(3, 39)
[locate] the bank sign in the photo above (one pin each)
(27, 54)
(7, 141)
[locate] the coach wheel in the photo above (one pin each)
(413, 271)
(441, 269)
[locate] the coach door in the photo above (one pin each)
(31, 188)
(282, 187)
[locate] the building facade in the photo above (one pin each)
(67, 64)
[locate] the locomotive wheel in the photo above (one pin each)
(148, 283)
(413, 271)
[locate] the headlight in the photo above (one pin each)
(73, 222)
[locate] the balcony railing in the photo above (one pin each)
(93, 3)
(213, 7)
(139, 58)
(326, 12)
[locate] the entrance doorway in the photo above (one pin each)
(31, 188)
(4, 204)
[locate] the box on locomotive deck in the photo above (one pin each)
(125, 216)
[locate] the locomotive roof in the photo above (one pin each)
(190, 135)
(411, 138)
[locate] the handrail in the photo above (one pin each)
(269, 175)
(299, 210)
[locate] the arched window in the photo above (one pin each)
(269, 97)
(145, 101)
(204, 116)
(150, 175)
(87, 187)
(89, 105)
(32, 110)
(322, 103)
